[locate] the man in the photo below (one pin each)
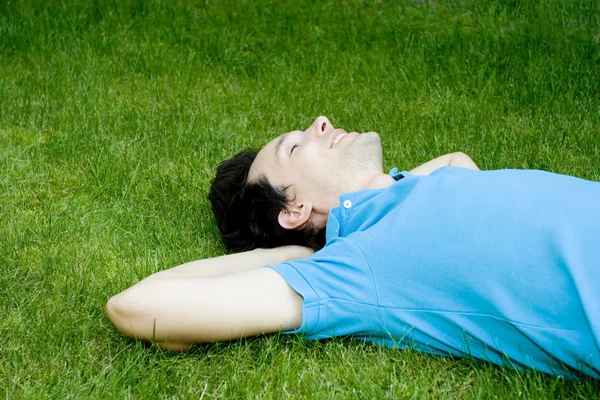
(502, 265)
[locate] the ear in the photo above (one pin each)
(296, 217)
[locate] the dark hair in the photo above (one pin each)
(247, 212)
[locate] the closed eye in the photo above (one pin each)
(293, 148)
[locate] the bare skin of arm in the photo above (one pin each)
(216, 299)
(457, 159)
(231, 263)
(222, 298)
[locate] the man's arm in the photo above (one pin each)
(458, 159)
(231, 263)
(208, 300)
(175, 313)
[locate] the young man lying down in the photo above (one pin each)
(502, 266)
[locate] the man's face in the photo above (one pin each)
(319, 164)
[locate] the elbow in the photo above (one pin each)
(120, 312)
(133, 314)
(460, 155)
(130, 314)
(460, 159)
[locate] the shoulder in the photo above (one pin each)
(336, 271)
(337, 288)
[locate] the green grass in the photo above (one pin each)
(114, 115)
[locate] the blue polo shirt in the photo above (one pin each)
(502, 266)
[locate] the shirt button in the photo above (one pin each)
(347, 204)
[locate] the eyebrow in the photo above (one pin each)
(280, 142)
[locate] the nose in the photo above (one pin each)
(321, 126)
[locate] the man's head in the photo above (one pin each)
(283, 194)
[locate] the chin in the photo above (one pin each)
(374, 136)
(368, 146)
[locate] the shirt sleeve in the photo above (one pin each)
(338, 290)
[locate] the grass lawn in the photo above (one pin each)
(114, 115)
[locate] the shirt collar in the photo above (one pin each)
(397, 175)
(349, 203)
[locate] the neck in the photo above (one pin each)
(381, 181)
(319, 216)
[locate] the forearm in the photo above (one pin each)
(232, 263)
